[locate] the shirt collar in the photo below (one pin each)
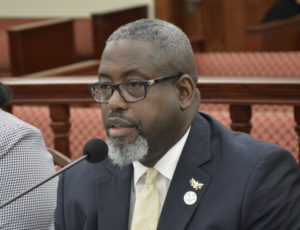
(167, 164)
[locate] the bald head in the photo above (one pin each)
(172, 49)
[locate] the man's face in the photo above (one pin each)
(152, 118)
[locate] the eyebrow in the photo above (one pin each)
(103, 75)
(126, 74)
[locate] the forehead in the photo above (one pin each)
(121, 56)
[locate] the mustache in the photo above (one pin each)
(118, 119)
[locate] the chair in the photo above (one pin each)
(59, 158)
(281, 35)
(38, 46)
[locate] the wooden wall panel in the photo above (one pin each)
(192, 21)
(189, 20)
(165, 10)
(222, 24)
(105, 24)
(213, 27)
(234, 25)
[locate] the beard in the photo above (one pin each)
(125, 155)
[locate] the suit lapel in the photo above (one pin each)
(113, 200)
(177, 211)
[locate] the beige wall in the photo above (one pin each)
(65, 8)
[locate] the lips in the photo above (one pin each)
(119, 127)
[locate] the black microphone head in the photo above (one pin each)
(96, 149)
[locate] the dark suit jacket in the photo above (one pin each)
(248, 184)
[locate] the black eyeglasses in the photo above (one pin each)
(130, 91)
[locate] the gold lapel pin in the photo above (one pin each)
(196, 184)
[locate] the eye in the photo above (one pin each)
(134, 84)
(104, 86)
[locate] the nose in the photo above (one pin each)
(116, 102)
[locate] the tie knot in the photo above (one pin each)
(151, 175)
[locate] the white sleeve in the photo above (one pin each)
(24, 162)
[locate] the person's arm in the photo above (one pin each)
(25, 161)
(272, 200)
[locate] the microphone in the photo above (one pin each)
(95, 150)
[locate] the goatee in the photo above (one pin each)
(125, 155)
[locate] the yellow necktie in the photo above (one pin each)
(146, 209)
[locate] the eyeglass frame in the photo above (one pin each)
(145, 83)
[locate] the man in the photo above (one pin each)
(208, 176)
(24, 162)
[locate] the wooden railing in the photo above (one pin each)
(59, 93)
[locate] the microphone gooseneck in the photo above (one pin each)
(94, 151)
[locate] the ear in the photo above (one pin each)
(186, 89)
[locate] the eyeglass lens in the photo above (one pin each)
(130, 91)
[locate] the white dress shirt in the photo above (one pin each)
(165, 166)
(25, 161)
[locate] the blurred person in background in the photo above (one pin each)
(24, 162)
